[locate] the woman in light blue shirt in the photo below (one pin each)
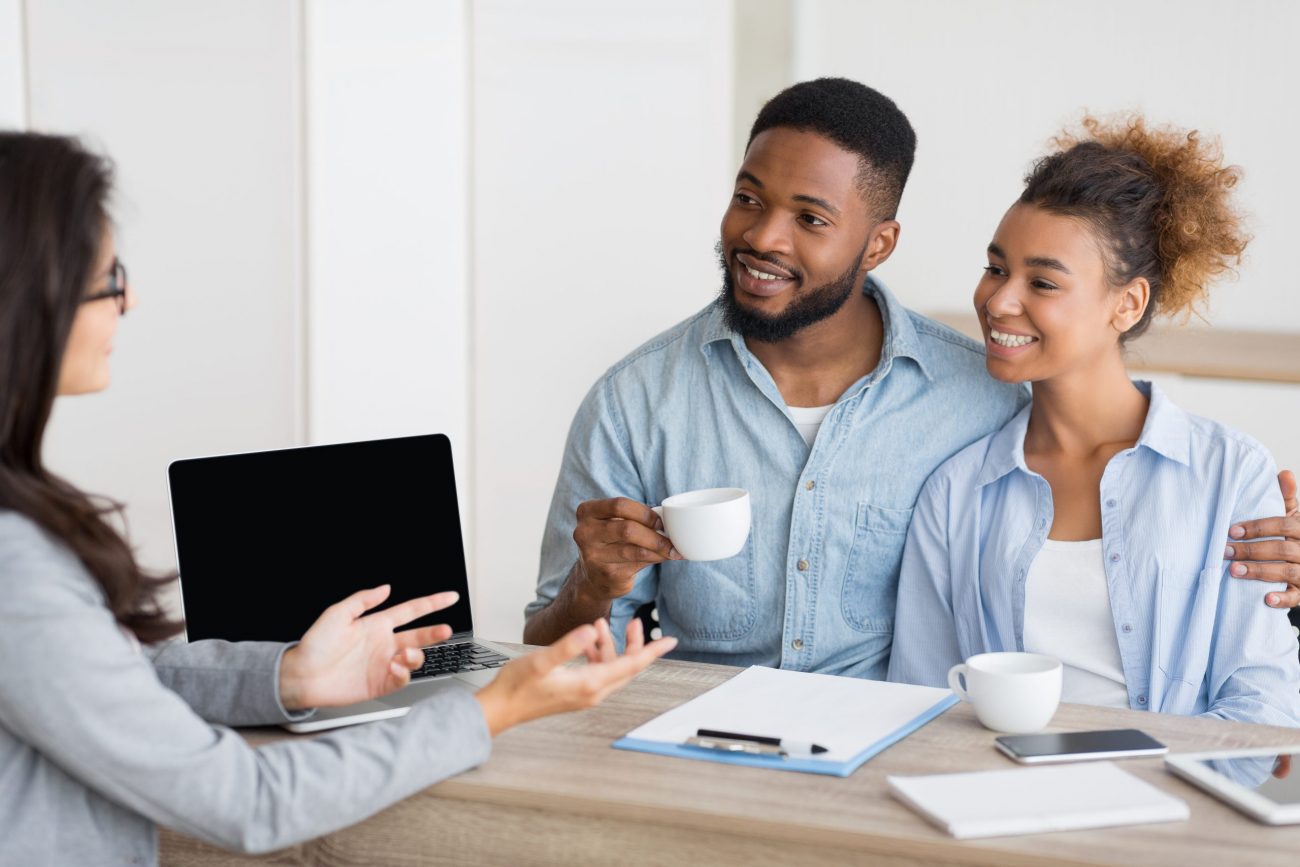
(1092, 526)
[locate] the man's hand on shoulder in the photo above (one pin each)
(1272, 559)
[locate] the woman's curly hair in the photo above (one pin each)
(1157, 197)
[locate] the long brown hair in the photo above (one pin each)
(53, 214)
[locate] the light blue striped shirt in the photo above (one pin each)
(1192, 639)
(814, 587)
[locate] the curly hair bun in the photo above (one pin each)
(1160, 195)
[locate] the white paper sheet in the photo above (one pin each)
(844, 714)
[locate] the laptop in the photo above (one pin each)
(266, 541)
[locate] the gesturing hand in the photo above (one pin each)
(1272, 559)
(540, 684)
(346, 657)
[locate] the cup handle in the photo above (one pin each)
(955, 674)
(659, 510)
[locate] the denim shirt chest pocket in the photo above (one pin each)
(711, 601)
(870, 587)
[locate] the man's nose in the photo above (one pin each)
(768, 234)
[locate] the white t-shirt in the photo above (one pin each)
(809, 420)
(1067, 615)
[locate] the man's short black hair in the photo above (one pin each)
(858, 119)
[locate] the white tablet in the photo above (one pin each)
(1263, 783)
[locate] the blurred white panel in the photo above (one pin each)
(195, 102)
(13, 75)
(602, 166)
(987, 84)
(388, 219)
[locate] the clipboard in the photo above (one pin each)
(855, 719)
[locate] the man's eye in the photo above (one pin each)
(995, 270)
(813, 220)
(744, 199)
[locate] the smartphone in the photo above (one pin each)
(1080, 746)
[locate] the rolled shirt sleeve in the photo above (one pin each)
(597, 464)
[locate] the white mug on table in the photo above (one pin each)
(709, 524)
(1012, 692)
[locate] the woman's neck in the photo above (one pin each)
(1084, 412)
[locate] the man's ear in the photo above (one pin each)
(1130, 303)
(880, 244)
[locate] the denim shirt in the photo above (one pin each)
(1192, 639)
(814, 587)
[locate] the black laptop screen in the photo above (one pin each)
(266, 541)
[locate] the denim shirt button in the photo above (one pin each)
(1110, 504)
(1114, 558)
(1128, 627)
(797, 644)
(809, 485)
(1142, 699)
(802, 565)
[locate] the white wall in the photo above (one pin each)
(13, 73)
(602, 166)
(387, 138)
(986, 84)
(195, 104)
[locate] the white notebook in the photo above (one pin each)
(1033, 800)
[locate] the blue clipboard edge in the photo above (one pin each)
(809, 766)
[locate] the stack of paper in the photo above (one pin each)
(1031, 800)
(853, 718)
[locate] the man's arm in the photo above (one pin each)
(594, 549)
(1274, 559)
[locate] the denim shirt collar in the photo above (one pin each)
(901, 340)
(1167, 432)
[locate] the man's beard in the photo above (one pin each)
(817, 304)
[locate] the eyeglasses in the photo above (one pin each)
(116, 287)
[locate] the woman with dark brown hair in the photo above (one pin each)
(1092, 527)
(100, 740)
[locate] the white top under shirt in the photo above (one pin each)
(809, 420)
(1067, 615)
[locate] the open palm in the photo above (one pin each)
(348, 656)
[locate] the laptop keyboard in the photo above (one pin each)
(452, 658)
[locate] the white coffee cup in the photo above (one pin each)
(1012, 692)
(709, 524)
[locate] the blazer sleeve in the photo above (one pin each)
(925, 628)
(234, 683)
(75, 689)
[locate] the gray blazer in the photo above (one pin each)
(100, 742)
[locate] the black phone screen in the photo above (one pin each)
(1074, 743)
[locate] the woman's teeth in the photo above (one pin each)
(1009, 340)
(759, 275)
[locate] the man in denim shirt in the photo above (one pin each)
(807, 383)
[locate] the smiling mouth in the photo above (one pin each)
(1010, 341)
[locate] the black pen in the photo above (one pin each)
(800, 748)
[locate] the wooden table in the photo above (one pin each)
(555, 793)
